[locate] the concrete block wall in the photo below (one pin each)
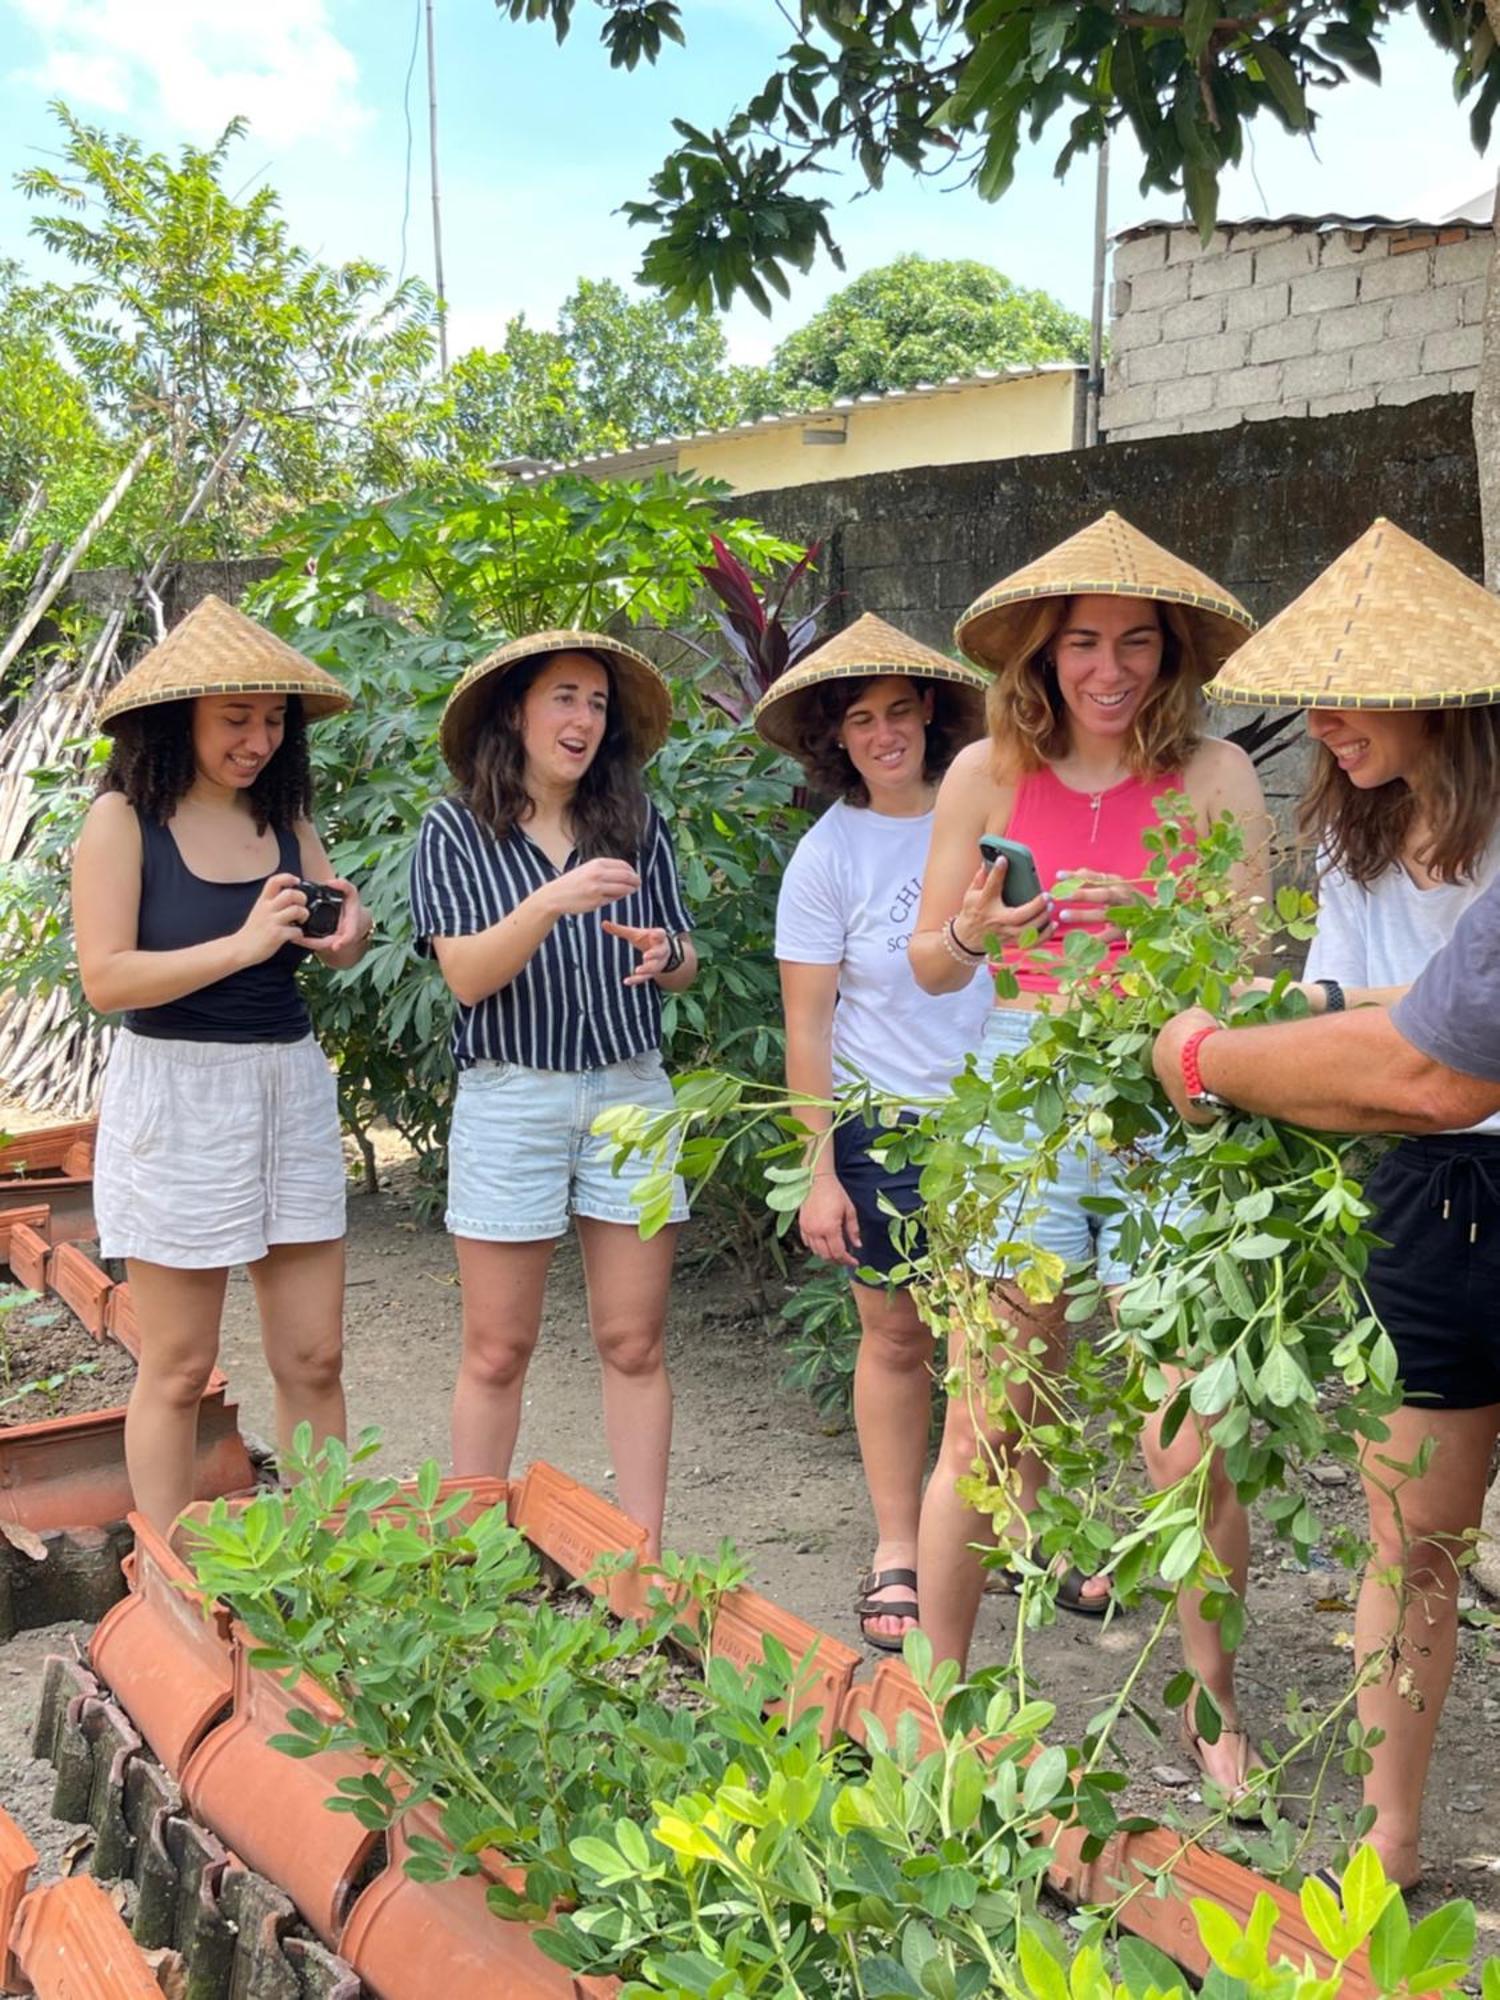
(1286, 320)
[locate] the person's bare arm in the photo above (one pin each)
(1344, 1073)
(1221, 779)
(116, 974)
(827, 1219)
(955, 883)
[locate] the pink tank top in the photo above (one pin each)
(1069, 831)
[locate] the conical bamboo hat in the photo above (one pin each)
(1388, 624)
(218, 650)
(1109, 558)
(645, 699)
(867, 647)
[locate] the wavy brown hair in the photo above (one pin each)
(828, 765)
(1028, 717)
(152, 763)
(608, 809)
(1457, 787)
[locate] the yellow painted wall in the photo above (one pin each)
(982, 420)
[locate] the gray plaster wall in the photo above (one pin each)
(1263, 508)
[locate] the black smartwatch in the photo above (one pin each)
(675, 951)
(1333, 995)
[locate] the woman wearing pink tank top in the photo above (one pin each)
(1100, 650)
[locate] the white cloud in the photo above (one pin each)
(195, 64)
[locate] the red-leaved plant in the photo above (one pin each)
(761, 643)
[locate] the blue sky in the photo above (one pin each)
(540, 144)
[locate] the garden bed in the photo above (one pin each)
(64, 1489)
(52, 1366)
(51, 1167)
(405, 1936)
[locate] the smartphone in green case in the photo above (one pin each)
(1022, 882)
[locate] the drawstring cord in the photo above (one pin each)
(1464, 1178)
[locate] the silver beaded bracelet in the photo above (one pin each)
(957, 950)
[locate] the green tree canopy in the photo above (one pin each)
(916, 320)
(957, 85)
(615, 370)
(193, 311)
(49, 434)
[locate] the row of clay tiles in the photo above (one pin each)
(202, 1923)
(179, 1666)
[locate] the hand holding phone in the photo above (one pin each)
(1022, 882)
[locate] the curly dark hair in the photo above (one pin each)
(608, 810)
(827, 763)
(152, 763)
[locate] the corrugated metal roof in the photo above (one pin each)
(652, 452)
(1457, 219)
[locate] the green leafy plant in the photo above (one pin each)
(667, 1828)
(823, 1345)
(48, 1387)
(1248, 1243)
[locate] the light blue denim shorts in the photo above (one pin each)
(1071, 1231)
(522, 1156)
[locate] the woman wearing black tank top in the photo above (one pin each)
(218, 1132)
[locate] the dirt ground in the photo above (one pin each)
(751, 1462)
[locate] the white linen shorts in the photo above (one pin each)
(522, 1155)
(210, 1152)
(1065, 1227)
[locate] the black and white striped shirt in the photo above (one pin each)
(568, 1008)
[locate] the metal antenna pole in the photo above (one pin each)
(437, 213)
(1096, 322)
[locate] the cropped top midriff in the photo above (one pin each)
(259, 1003)
(1069, 832)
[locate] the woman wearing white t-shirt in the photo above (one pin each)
(875, 719)
(1402, 804)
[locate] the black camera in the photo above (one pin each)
(324, 908)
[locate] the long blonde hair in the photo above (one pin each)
(1028, 717)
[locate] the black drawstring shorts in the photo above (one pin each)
(867, 1184)
(1436, 1286)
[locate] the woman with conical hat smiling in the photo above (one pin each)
(1395, 655)
(193, 888)
(546, 888)
(1099, 652)
(874, 718)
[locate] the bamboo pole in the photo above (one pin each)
(75, 555)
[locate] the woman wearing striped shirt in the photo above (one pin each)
(558, 1019)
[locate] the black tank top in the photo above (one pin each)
(259, 1003)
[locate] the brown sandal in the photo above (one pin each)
(866, 1609)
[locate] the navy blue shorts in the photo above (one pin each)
(865, 1181)
(1436, 1287)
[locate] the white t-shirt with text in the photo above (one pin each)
(849, 898)
(1386, 934)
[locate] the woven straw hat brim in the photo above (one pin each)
(867, 648)
(1389, 624)
(1109, 558)
(645, 699)
(218, 650)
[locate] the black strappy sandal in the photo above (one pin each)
(866, 1608)
(1070, 1596)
